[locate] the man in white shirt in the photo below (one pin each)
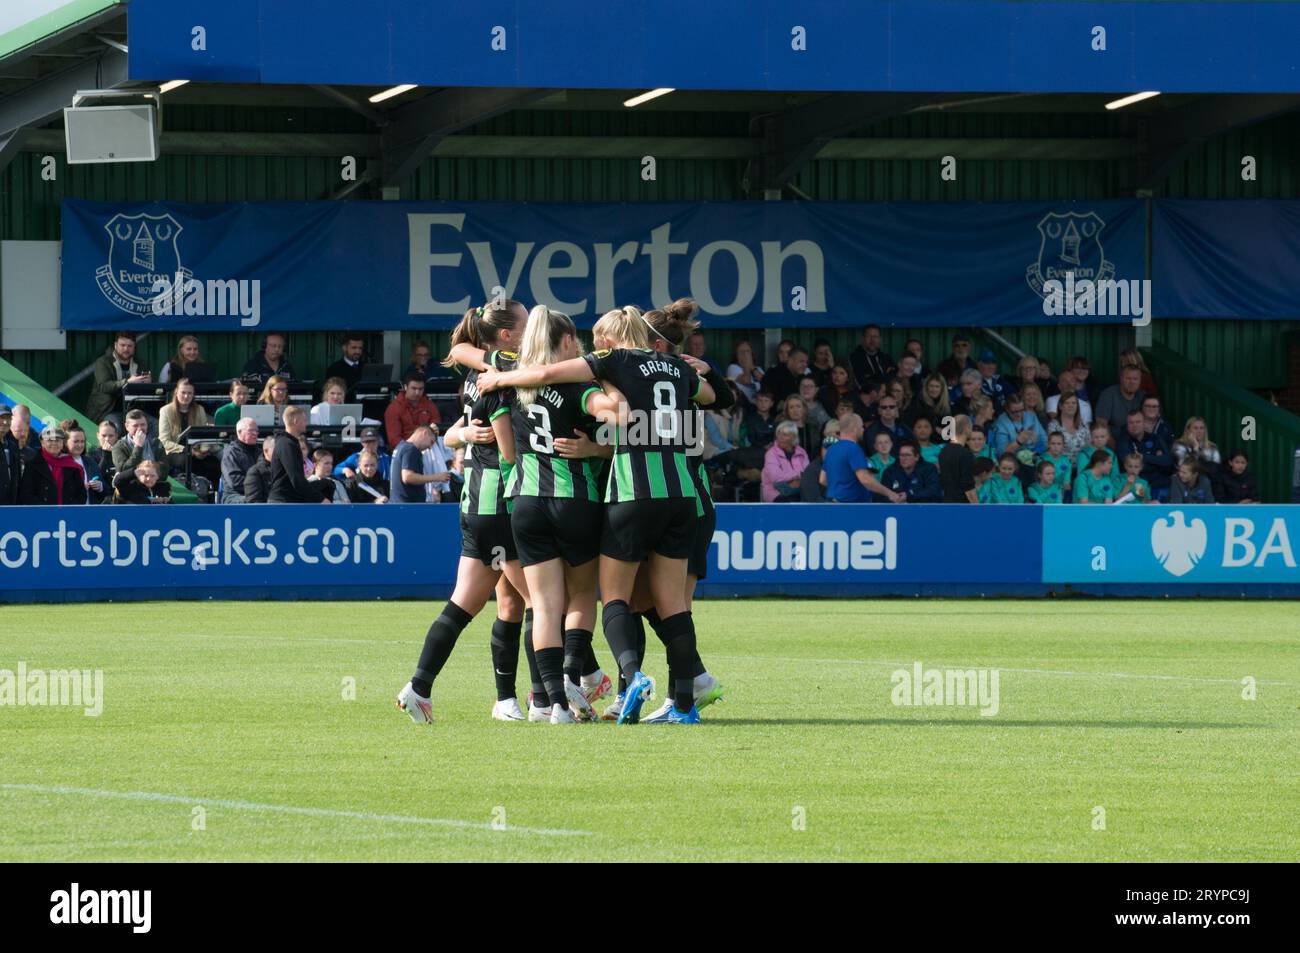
(1068, 384)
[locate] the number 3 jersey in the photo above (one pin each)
(557, 411)
(660, 443)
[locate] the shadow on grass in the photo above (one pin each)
(980, 722)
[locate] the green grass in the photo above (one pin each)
(1133, 707)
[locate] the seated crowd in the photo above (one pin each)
(807, 429)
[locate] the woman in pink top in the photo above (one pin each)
(783, 465)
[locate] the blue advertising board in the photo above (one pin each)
(984, 46)
(397, 265)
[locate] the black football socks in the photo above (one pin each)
(550, 663)
(540, 698)
(438, 643)
(577, 654)
(652, 617)
(505, 656)
(678, 634)
(621, 627)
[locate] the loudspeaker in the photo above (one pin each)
(113, 126)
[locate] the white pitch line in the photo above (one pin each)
(1028, 671)
(292, 809)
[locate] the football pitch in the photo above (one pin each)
(266, 731)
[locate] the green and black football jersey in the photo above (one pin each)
(557, 411)
(651, 460)
(484, 493)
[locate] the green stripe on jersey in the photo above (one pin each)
(562, 478)
(684, 476)
(532, 475)
(654, 469)
(593, 491)
(489, 491)
(621, 487)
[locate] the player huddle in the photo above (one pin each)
(553, 517)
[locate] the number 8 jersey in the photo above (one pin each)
(660, 443)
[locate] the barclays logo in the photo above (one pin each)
(1177, 545)
(1180, 545)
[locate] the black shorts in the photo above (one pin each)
(487, 539)
(547, 528)
(636, 528)
(697, 564)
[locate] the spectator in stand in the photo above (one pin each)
(29, 445)
(816, 413)
(931, 401)
(812, 485)
(350, 466)
(137, 446)
(410, 479)
(1157, 456)
(1045, 489)
(1062, 465)
(11, 460)
(187, 353)
(276, 394)
(783, 465)
(1026, 372)
(95, 484)
(420, 364)
(966, 390)
(1004, 486)
(1100, 439)
(783, 379)
(956, 464)
(882, 456)
(1129, 486)
(52, 478)
(981, 412)
(1075, 434)
(1132, 357)
(144, 484)
(745, 372)
(959, 361)
(1153, 422)
(1068, 384)
(868, 361)
(348, 367)
(901, 391)
(257, 481)
(823, 362)
(232, 412)
(1017, 430)
(367, 485)
(841, 388)
(917, 350)
(909, 374)
(271, 361)
(238, 458)
(796, 412)
(978, 444)
(1119, 400)
(323, 476)
(697, 348)
(913, 478)
(1093, 484)
(888, 422)
(982, 474)
(408, 410)
(923, 436)
(439, 460)
(1196, 443)
(724, 432)
(177, 417)
(1080, 368)
(992, 384)
(113, 371)
(102, 454)
(848, 476)
(288, 478)
(1190, 484)
(335, 393)
(1034, 404)
(1236, 483)
(1046, 381)
(761, 420)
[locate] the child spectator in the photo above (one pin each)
(982, 471)
(923, 434)
(1132, 489)
(1061, 465)
(1100, 437)
(1236, 485)
(1190, 484)
(978, 444)
(1046, 489)
(883, 458)
(368, 486)
(143, 484)
(323, 475)
(760, 421)
(817, 414)
(1004, 486)
(1093, 485)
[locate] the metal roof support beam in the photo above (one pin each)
(376, 116)
(1167, 137)
(45, 99)
(415, 129)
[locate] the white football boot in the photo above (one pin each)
(420, 709)
(507, 710)
(560, 715)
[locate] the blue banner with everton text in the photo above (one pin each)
(419, 265)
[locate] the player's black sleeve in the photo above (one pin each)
(722, 395)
